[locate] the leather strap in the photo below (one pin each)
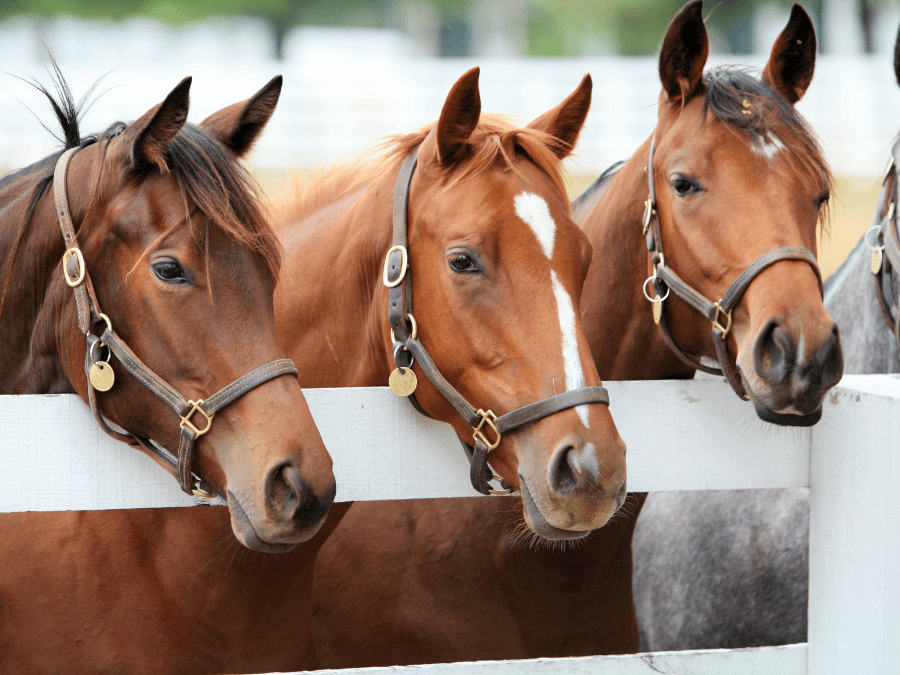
(486, 426)
(88, 314)
(665, 279)
(886, 226)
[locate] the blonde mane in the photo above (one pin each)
(495, 143)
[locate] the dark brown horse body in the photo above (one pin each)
(184, 265)
(435, 582)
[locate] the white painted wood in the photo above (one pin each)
(786, 660)
(680, 436)
(854, 557)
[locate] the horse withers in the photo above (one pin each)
(168, 271)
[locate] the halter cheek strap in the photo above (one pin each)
(886, 250)
(196, 416)
(487, 428)
(665, 279)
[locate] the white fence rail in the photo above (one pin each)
(680, 435)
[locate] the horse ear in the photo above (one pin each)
(683, 53)
(459, 117)
(793, 59)
(159, 125)
(239, 125)
(564, 122)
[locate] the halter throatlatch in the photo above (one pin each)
(196, 416)
(664, 279)
(886, 249)
(487, 428)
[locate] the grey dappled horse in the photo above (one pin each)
(729, 569)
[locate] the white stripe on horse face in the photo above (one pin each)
(766, 146)
(536, 214)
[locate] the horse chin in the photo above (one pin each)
(539, 525)
(246, 533)
(766, 414)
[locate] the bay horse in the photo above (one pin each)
(736, 174)
(144, 252)
(690, 612)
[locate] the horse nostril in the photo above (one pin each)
(284, 491)
(572, 466)
(774, 353)
(830, 359)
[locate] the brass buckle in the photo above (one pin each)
(715, 322)
(497, 492)
(76, 253)
(404, 263)
(186, 420)
(199, 492)
(648, 214)
(486, 418)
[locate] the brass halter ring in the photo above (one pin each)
(413, 333)
(876, 229)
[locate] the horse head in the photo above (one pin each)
(740, 188)
(183, 264)
(497, 266)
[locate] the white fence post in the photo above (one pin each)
(854, 557)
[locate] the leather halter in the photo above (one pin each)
(407, 348)
(886, 229)
(87, 310)
(665, 279)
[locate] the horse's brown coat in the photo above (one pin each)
(422, 582)
(143, 591)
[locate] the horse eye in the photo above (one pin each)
(462, 262)
(823, 199)
(170, 272)
(683, 186)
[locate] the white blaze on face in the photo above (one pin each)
(536, 214)
(766, 146)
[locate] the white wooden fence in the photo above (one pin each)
(693, 435)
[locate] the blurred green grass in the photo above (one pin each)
(853, 203)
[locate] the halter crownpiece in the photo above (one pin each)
(196, 416)
(886, 250)
(487, 427)
(665, 279)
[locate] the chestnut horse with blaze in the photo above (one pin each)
(479, 288)
(735, 189)
(168, 275)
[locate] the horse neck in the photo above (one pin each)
(624, 341)
(868, 345)
(331, 308)
(29, 356)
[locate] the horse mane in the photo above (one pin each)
(731, 91)
(494, 141)
(206, 172)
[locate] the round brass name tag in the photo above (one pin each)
(102, 376)
(403, 381)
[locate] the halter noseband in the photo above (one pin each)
(886, 253)
(87, 310)
(664, 279)
(487, 428)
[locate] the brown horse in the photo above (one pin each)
(448, 582)
(496, 265)
(174, 261)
